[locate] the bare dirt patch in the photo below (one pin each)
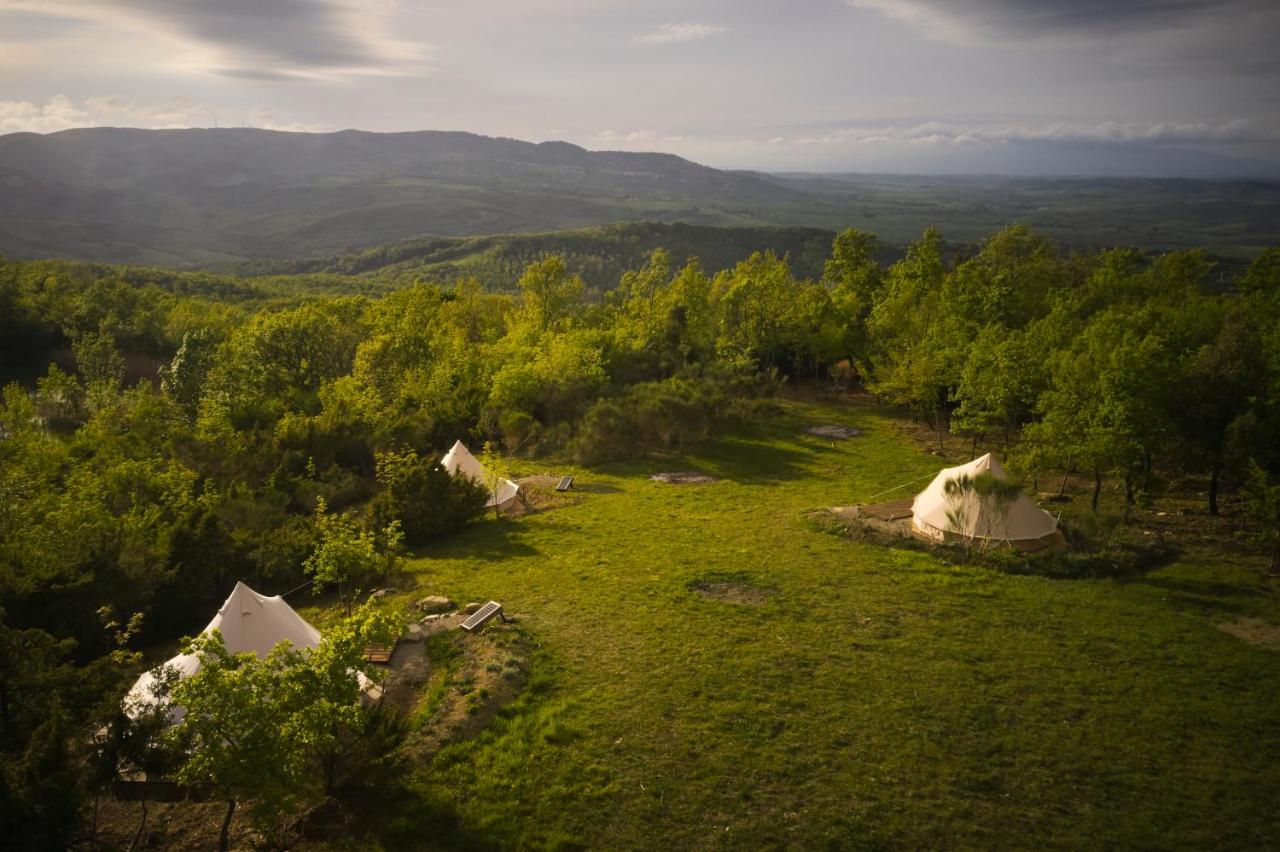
(176, 825)
(410, 669)
(683, 477)
(538, 492)
(733, 593)
(731, 587)
(1255, 631)
(835, 432)
(472, 676)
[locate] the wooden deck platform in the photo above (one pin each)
(894, 510)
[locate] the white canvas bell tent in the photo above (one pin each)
(459, 460)
(249, 622)
(968, 515)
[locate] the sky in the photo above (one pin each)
(1102, 87)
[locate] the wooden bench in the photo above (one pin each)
(483, 616)
(378, 653)
(565, 484)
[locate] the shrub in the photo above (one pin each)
(423, 497)
(670, 414)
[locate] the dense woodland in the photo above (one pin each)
(203, 429)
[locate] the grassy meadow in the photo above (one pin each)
(876, 698)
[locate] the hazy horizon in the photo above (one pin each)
(1155, 88)
(794, 173)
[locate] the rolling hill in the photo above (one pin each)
(197, 196)
(600, 255)
(223, 196)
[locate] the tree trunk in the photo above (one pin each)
(330, 770)
(1215, 472)
(1128, 496)
(224, 837)
(1097, 489)
(1062, 489)
(973, 451)
(142, 826)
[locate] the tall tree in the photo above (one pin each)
(264, 730)
(549, 295)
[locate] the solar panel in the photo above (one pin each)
(478, 618)
(565, 484)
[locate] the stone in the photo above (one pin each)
(413, 633)
(430, 618)
(435, 603)
(471, 607)
(381, 593)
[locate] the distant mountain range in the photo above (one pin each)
(189, 197)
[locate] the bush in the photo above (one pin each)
(670, 414)
(423, 497)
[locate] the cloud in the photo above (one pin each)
(994, 20)
(1110, 132)
(631, 137)
(259, 39)
(62, 113)
(674, 33)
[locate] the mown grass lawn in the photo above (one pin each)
(877, 699)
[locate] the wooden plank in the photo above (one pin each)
(377, 653)
(894, 510)
(482, 616)
(565, 484)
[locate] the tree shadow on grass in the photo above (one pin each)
(1120, 562)
(491, 541)
(596, 488)
(1208, 597)
(398, 817)
(752, 460)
